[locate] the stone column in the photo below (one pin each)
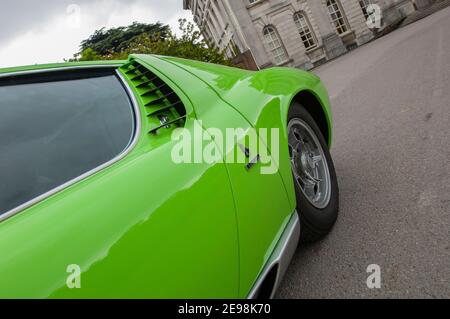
(245, 27)
(332, 42)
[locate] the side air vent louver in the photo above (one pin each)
(163, 106)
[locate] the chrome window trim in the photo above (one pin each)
(133, 141)
(61, 68)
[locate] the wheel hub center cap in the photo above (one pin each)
(309, 164)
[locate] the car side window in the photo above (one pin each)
(53, 131)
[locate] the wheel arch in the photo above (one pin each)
(318, 109)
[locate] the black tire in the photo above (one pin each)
(315, 223)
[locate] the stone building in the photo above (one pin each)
(294, 33)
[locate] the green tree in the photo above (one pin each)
(115, 40)
(190, 45)
(89, 55)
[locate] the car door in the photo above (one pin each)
(262, 205)
(263, 208)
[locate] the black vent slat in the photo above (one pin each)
(166, 124)
(163, 106)
(140, 76)
(147, 82)
(161, 110)
(143, 84)
(131, 70)
(160, 99)
(153, 90)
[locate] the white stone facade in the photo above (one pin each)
(295, 33)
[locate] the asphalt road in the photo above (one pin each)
(391, 103)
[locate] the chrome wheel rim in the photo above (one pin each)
(309, 164)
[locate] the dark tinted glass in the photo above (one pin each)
(53, 132)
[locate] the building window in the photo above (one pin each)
(364, 4)
(305, 30)
(233, 48)
(336, 13)
(275, 45)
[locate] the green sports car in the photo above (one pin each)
(159, 177)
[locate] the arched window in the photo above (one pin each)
(337, 16)
(275, 45)
(305, 30)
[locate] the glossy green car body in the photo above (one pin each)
(145, 227)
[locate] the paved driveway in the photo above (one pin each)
(391, 101)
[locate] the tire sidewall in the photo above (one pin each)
(321, 220)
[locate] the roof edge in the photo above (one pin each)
(60, 65)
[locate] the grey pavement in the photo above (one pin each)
(392, 152)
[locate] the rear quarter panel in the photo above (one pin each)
(264, 99)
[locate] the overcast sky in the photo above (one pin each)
(45, 31)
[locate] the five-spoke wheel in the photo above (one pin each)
(314, 175)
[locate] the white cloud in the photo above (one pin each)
(60, 36)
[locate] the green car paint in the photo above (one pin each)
(263, 98)
(146, 227)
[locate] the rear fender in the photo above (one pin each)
(264, 99)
